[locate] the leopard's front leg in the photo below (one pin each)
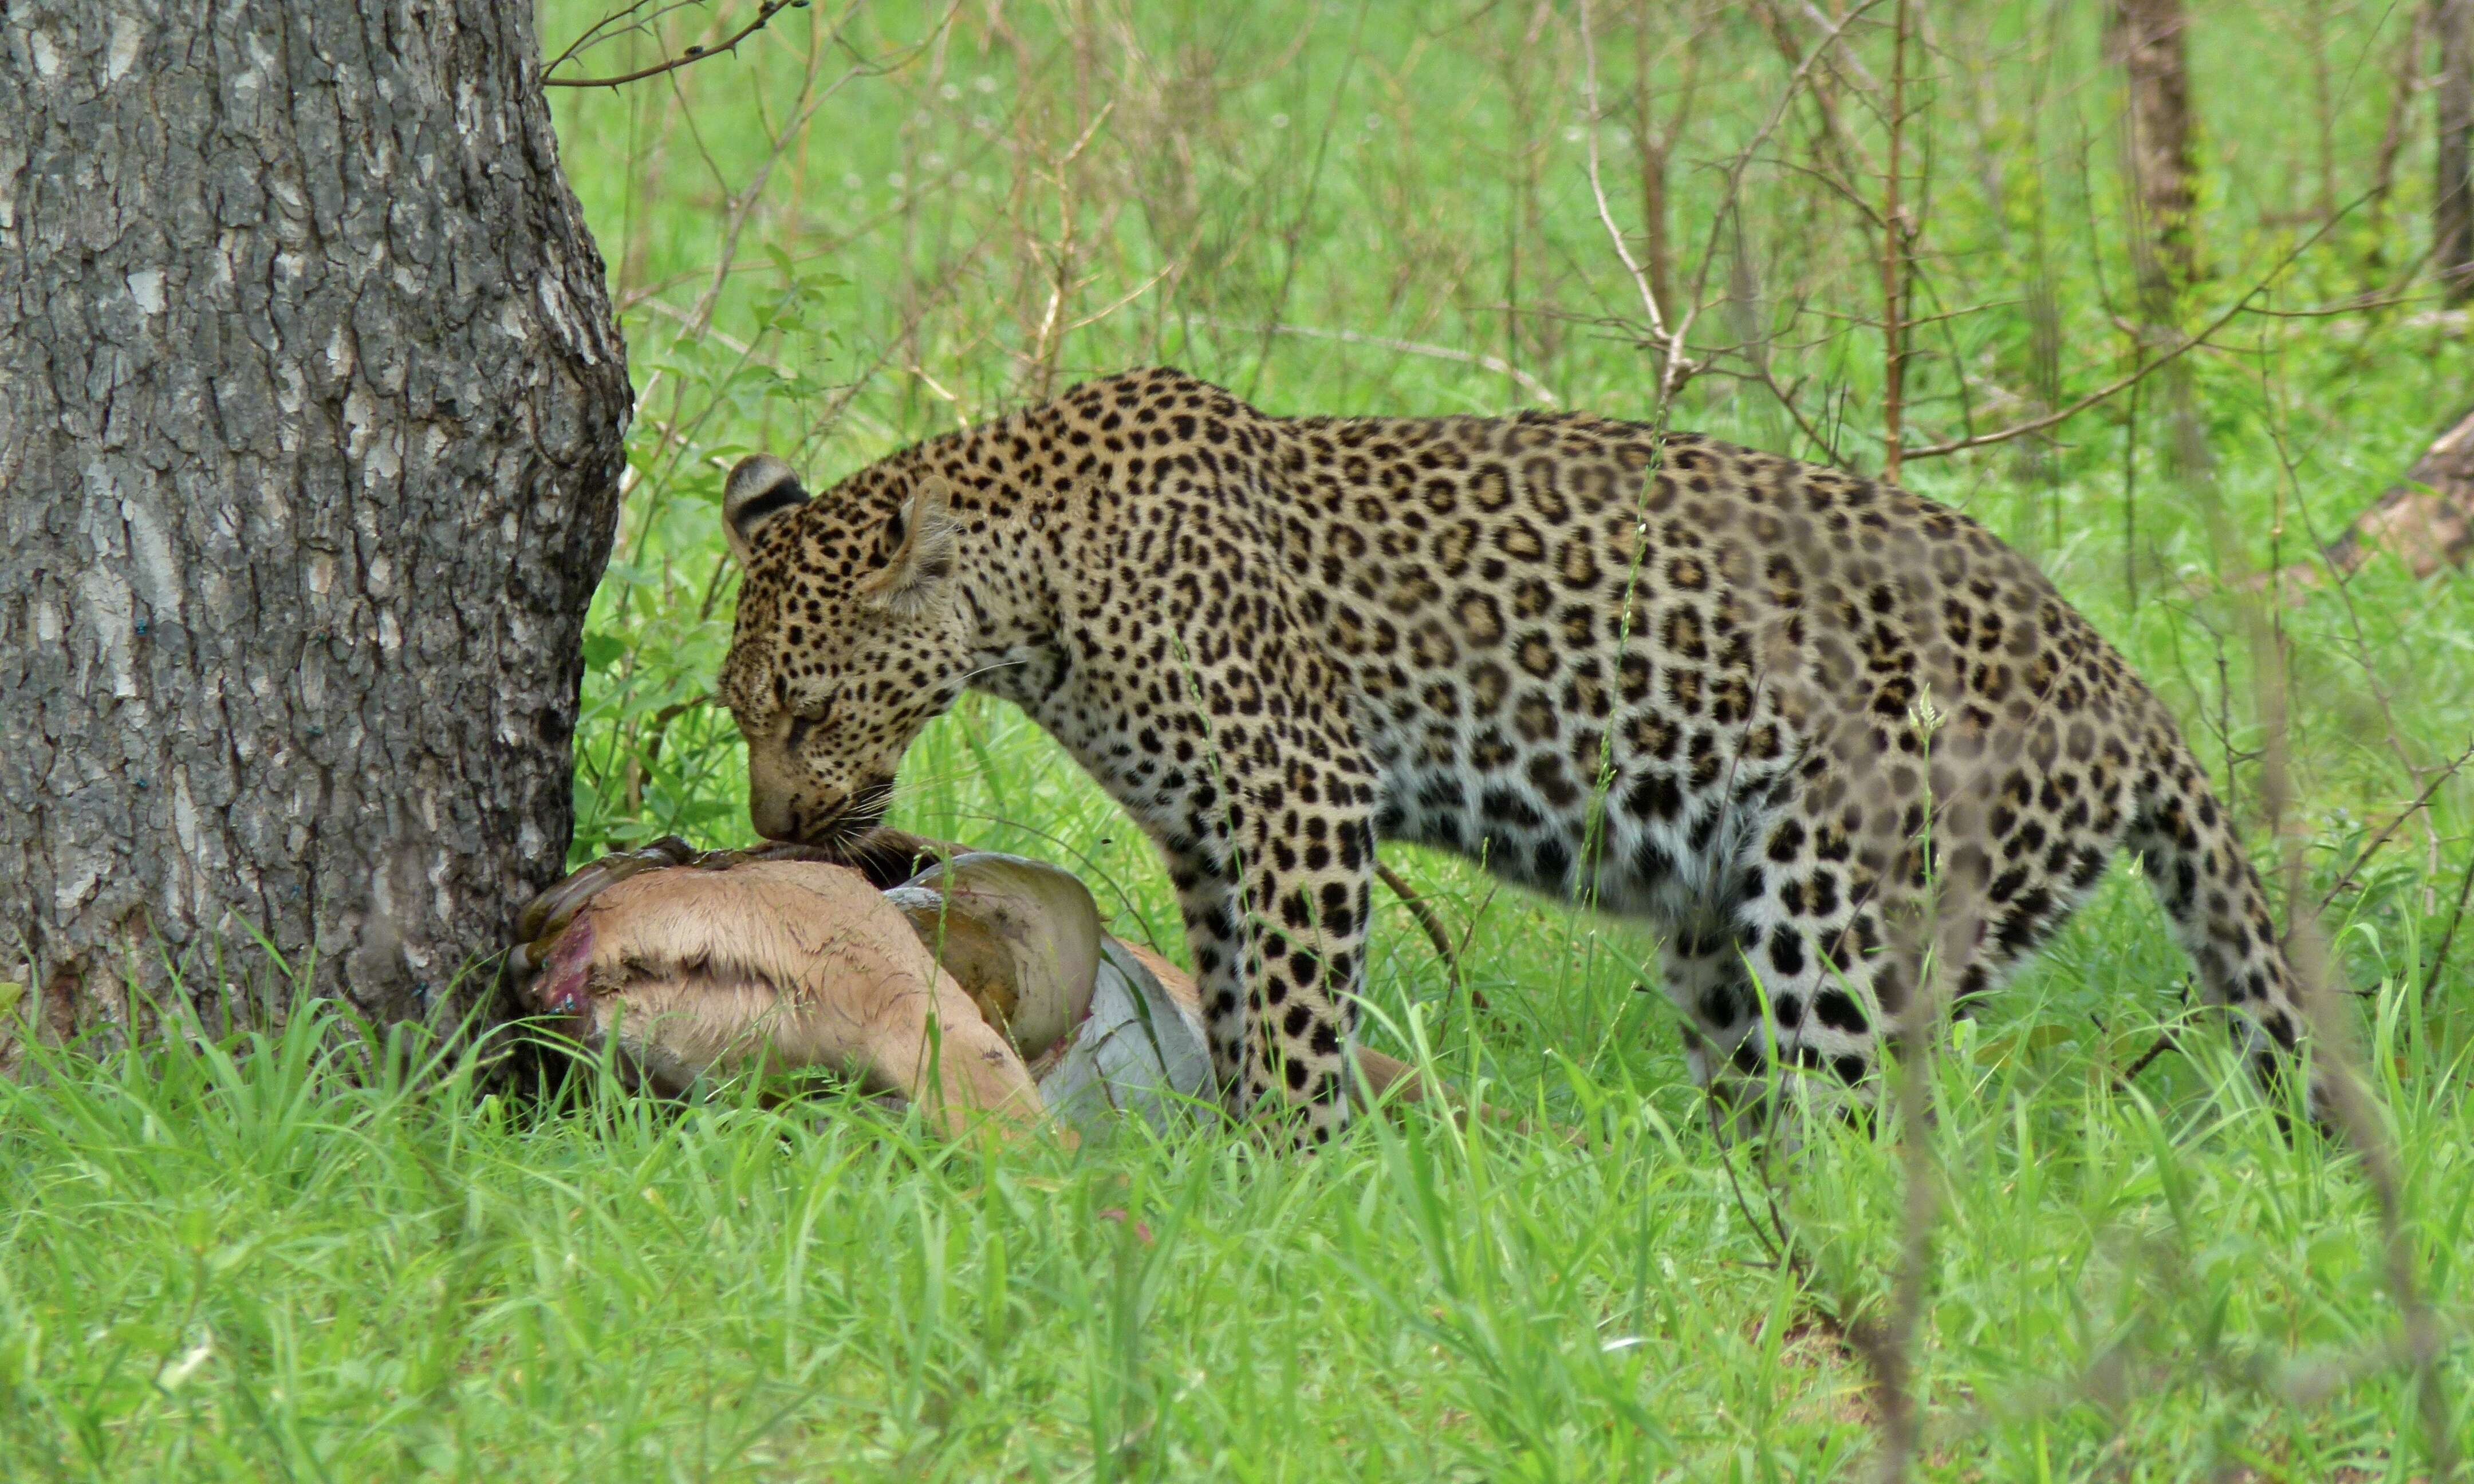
(1275, 904)
(1207, 893)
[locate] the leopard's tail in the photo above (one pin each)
(2203, 878)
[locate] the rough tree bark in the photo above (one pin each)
(1656, 139)
(312, 410)
(2146, 37)
(2452, 203)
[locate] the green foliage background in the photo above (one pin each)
(870, 224)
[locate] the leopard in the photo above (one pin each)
(1822, 736)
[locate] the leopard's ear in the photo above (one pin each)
(761, 490)
(917, 548)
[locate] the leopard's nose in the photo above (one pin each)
(774, 817)
(797, 822)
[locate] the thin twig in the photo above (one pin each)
(2382, 838)
(2342, 310)
(1890, 1347)
(1477, 358)
(1720, 218)
(1469, 935)
(764, 13)
(1426, 918)
(693, 330)
(593, 36)
(2137, 374)
(2448, 938)
(1678, 369)
(2342, 1095)
(2166, 1040)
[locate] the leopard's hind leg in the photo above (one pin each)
(2204, 880)
(1789, 996)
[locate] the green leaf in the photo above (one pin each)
(602, 649)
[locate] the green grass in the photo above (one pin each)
(283, 1267)
(254, 1262)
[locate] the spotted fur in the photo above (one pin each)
(1806, 725)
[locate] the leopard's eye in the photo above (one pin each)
(802, 724)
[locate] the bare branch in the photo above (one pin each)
(2141, 372)
(2448, 938)
(1679, 368)
(1425, 915)
(1477, 358)
(2382, 838)
(764, 13)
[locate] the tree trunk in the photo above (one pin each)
(2146, 37)
(311, 410)
(1656, 144)
(2405, 83)
(2451, 204)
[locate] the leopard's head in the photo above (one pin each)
(851, 639)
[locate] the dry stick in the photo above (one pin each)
(2452, 206)
(1295, 229)
(811, 100)
(1469, 935)
(2448, 938)
(742, 206)
(827, 246)
(2367, 303)
(1889, 1349)
(1894, 252)
(1047, 341)
(743, 202)
(765, 14)
(1774, 1236)
(2110, 1379)
(1521, 161)
(591, 36)
(2396, 738)
(678, 443)
(1657, 146)
(2166, 1040)
(2383, 837)
(1785, 397)
(699, 320)
(746, 353)
(2345, 1099)
(945, 285)
(1837, 41)
(1477, 358)
(1735, 168)
(1837, 151)
(2131, 499)
(2349, 1105)
(1434, 926)
(1678, 369)
(2405, 86)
